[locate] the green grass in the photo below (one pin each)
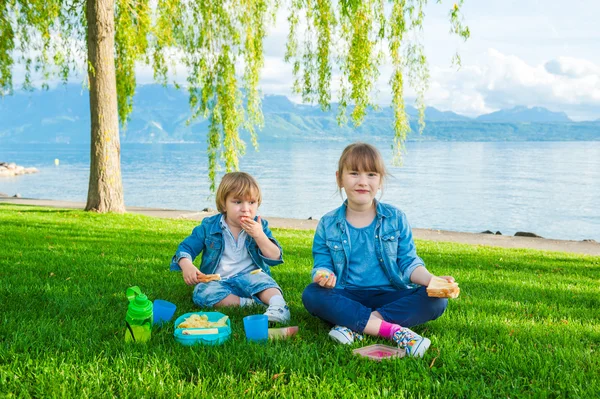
(526, 323)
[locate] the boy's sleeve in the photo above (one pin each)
(321, 255)
(269, 234)
(407, 260)
(189, 248)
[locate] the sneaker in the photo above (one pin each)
(413, 343)
(344, 335)
(278, 314)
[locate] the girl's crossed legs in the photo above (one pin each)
(363, 310)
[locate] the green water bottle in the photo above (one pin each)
(139, 316)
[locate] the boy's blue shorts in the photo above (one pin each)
(245, 285)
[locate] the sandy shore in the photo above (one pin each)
(581, 247)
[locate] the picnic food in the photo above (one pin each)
(323, 273)
(440, 288)
(208, 277)
(205, 331)
(282, 333)
(201, 321)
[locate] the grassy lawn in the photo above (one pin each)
(526, 323)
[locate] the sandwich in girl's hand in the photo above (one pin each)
(441, 288)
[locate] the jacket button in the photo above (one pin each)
(392, 237)
(335, 247)
(376, 236)
(344, 241)
(381, 260)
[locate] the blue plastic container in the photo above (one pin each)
(206, 339)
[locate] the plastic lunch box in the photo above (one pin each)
(206, 339)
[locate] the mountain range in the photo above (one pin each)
(160, 114)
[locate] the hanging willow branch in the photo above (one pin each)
(211, 38)
(46, 37)
(359, 29)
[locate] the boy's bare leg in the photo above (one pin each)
(229, 300)
(266, 295)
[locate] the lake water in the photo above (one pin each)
(549, 188)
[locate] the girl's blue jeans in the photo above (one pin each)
(352, 308)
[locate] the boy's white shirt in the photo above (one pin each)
(235, 258)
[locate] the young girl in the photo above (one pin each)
(367, 277)
(239, 247)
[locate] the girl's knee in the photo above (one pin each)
(310, 297)
(438, 307)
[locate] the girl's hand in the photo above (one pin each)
(449, 279)
(251, 227)
(325, 279)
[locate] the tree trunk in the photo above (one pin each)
(105, 191)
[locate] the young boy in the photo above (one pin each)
(239, 247)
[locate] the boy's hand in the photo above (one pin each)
(251, 227)
(325, 279)
(190, 274)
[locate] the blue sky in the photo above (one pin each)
(527, 52)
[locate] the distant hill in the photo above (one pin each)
(524, 114)
(161, 114)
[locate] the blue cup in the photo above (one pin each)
(256, 327)
(163, 311)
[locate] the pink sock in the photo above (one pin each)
(387, 330)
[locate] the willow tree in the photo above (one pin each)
(213, 39)
(61, 37)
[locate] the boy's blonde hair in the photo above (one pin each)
(361, 157)
(239, 184)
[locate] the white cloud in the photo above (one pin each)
(503, 81)
(276, 76)
(572, 67)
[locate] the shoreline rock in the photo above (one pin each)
(527, 234)
(12, 169)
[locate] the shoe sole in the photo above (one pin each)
(275, 319)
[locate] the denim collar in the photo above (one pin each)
(340, 216)
(222, 222)
(217, 228)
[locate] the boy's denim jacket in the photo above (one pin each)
(394, 245)
(208, 237)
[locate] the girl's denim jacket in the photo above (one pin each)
(208, 237)
(394, 245)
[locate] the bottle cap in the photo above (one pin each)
(132, 292)
(140, 307)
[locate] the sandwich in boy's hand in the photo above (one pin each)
(205, 278)
(440, 288)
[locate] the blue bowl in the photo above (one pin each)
(206, 339)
